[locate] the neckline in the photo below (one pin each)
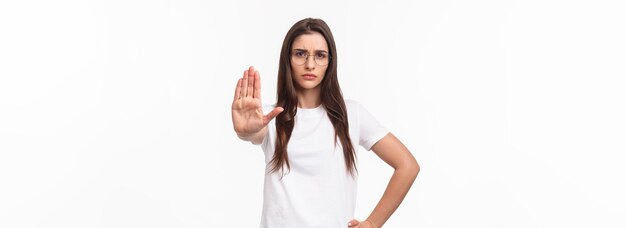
(319, 106)
(311, 111)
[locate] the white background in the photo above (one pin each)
(117, 113)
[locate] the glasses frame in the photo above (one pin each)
(307, 59)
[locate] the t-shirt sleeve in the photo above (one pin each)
(265, 144)
(370, 130)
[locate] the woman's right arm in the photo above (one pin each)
(247, 110)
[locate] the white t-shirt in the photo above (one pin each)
(317, 191)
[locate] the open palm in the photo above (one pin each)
(247, 109)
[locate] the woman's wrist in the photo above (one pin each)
(371, 223)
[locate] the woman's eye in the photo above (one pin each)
(300, 54)
(320, 56)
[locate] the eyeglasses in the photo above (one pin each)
(299, 57)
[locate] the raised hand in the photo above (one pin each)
(247, 109)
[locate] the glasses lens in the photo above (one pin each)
(298, 58)
(321, 60)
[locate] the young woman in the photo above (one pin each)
(310, 148)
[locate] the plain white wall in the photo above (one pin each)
(117, 113)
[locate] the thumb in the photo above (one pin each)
(267, 118)
(353, 223)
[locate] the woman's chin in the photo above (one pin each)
(308, 85)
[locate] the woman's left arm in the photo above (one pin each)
(394, 153)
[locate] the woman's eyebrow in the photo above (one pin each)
(298, 49)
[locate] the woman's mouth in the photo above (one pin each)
(309, 76)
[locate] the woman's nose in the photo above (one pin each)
(310, 62)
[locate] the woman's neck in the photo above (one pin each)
(309, 98)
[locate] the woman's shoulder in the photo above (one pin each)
(352, 104)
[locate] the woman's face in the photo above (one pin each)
(309, 60)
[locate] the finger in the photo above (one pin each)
(353, 223)
(241, 89)
(237, 90)
(244, 84)
(267, 118)
(249, 93)
(257, 85)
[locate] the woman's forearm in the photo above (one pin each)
(396, 190)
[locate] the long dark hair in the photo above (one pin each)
(331, 97)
